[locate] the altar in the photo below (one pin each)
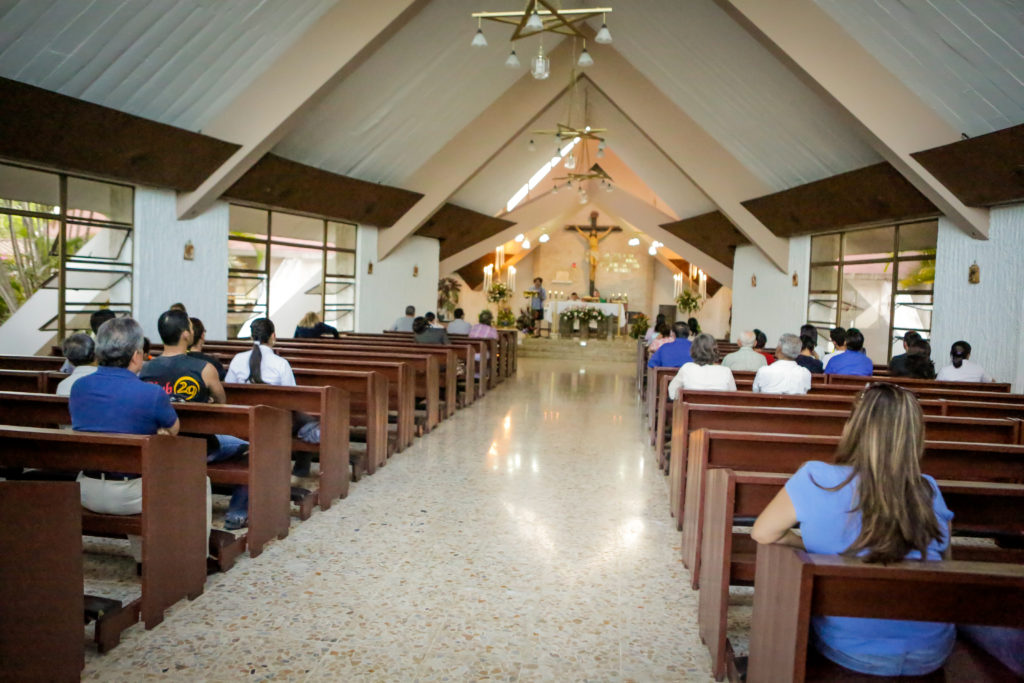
(554, 309)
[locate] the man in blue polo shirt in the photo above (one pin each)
(113, 399)
(674, 354)
(852, 361)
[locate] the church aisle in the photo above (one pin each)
(528, 538)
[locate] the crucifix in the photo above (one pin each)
(593, 233)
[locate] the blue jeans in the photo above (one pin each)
(232, 447)
(917, 663)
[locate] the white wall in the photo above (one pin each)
(383, 296)
(989, 315)
(775, 306)
(715, 313)
(163, 276)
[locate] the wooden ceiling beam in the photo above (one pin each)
(457, 228)
(262, 114)
(982, 171)
(712, 233)
(886, 113)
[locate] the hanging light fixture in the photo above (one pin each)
(545, 18)
(526, 244)
(570, 161)
(585, 58)
(544, 238)
(604, 36)
(520, 237)
(634, 242)
(554, 189)
(535, 23)
(478, 38)
(600, 150)
(583, 196)
(530, 147)
(653, 251)
(540, 66)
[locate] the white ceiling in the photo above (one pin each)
(174, 61)
(964, 58)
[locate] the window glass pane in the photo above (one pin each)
(295, 281)
(821, 311)
(91, 242)
(919, 238)
(341, 263)
(913, 312)
(292, 228)
(342, 320)
(28, 248)
(824, 278)
(869, 244)
(26, 190)
(99, 201)
(917, 275)
(824, 248)
(246, 221)
(247, 255)
(341, 235)
(247, 300)
(867, 296)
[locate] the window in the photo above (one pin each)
(66, 240)
(284, 265)
(879, 280)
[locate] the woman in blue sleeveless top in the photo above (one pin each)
(873, 503)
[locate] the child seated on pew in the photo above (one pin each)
(261, 365)
(873, 503)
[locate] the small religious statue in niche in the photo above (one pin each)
(796, 280)
(974, 274)
(753, 281)
(190, 251)
(593, 233)
(369, 268)
(415, 271)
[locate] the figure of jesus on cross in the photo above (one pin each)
(593, 233)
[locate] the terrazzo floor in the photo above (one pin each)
(525, 539)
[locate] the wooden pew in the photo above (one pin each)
(24, 380)
(688, 418)
(331, 406)
(727, 558)
(41, 581)
(489, 349)
(399, 374)
(368, 396)
(760, 452)
(266, 471)
(173, 519)
(911, 383)
(792, 587)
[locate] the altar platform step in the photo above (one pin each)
(608, 350)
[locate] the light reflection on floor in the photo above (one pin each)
(527, 538)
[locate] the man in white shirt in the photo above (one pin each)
(459, 325)
(784, 376)
(79, 350)
(746, 358)
(404, 324)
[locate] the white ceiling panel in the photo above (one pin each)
(174, 61)
(964, 58)
(411, 96)
(737, 91)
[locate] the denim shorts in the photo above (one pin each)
(917, 663)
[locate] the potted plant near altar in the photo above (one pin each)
(689, 302)
(499, 294)
(447, 296)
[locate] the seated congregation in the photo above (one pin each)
(833, 486)
(271, 427)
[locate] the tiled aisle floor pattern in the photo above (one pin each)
(525, 539)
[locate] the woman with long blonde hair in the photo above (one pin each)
(873, 503)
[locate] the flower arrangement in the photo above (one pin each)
(498, 293)
(640, 325)
(586, 314)
(689, 302)
(506, 317)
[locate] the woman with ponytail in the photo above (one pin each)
(961, 369)
(261, 365)
(872, 503)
